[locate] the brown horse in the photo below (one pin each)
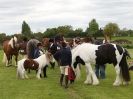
(22, 48)
(46, 43)
(10, 48)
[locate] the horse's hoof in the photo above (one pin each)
(38, 78)
(95, 83)
(87, 83)
(45, 76)
(126, 83)
(8, 65)
(116, 84)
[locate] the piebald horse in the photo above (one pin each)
(39, 64)
(10, 48)
(87, 54)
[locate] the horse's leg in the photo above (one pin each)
(23, 74)
(8, 60)
(44, 71)
(26, 76)
(38, 73)
(95, 81)
(88, 78)
(16, 59)
(118, 76)
(52, 65)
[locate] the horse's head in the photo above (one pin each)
(22, 47)
(53, 48)
(70, 43)
(45, 42)
(13, 42)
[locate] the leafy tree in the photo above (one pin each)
(130, 32)
(64, 30)
(50, 32)
(78, 30)
(26, 31)
(93, 28)
(109, 30)
(2, 37)
(39, 35)
(99, 33)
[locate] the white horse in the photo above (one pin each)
(87, 54)
(35, 64)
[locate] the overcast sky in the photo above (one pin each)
(42, 14)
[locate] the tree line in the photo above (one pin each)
(93, 30)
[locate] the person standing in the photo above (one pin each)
(38, 51)
(64, 57)
(100, 69)
(31, 46)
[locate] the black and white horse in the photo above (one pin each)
(87, 54)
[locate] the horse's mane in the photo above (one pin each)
(11, 42)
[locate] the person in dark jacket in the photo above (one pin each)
(64, 57)
(100, 69)
(38, 51)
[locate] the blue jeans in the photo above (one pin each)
(100, 71)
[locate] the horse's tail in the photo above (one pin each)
(124, 68)
(127, 54)
(4, 58)
(20, 69)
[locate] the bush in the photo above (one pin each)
(128, 46)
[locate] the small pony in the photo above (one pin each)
(39, 64)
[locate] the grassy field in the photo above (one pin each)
(49, 88)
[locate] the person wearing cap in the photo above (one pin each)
(64, 56)
(38, 51)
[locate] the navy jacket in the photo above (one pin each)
(64, 56)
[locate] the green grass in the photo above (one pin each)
(128, 38)
(49, 88)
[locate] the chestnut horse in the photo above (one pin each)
(10, 48)
(46, 43)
